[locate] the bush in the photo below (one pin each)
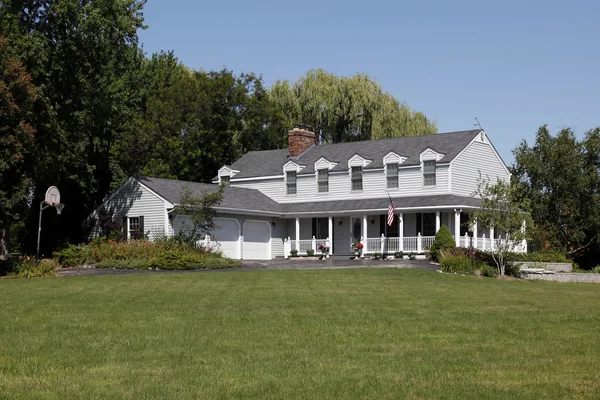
(443, 240)
(399, 254)
(294, 253)
(596, 269)
(457, 264)
(487, 270)
(376, 255)
(30, 268)
(310, 252)
(73, 255)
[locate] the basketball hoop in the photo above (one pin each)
(52, 199)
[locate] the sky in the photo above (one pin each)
(516, 65)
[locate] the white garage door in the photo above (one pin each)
(227, 237)
(257, 240)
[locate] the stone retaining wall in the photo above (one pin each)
(564, 277)
(550, 266)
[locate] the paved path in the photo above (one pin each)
(265, 265)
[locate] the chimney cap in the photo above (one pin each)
(303, 127)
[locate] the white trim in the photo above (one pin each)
(292, 166)
(247, 212)
(226, 171)
(239, 243)
(393, 158)
(358, 161)
(270, 250)
(166, 221)
(257, 178)
(489, 143)
(323, 163)
(429, 155)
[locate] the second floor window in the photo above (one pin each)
(290, 182)
(225, 180)
(357, 183)
(323, 180)
(392, 176)
(429, 173)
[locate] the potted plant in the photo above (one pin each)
(412, 255)
(399, 255)
(357, 247)
(294, 253)
(324, 250)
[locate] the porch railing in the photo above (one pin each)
(302, 246)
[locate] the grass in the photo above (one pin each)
(359, 333)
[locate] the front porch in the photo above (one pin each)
(409, 233)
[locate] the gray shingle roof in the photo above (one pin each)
(233, 198)
(380, 204)
(270, 162)
(242, 200)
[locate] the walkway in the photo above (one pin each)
(251, 265)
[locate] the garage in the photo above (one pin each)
(257, 240)
(227, 236)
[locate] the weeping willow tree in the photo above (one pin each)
(346, 109)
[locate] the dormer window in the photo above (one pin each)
(429, 173)
(357, 178)
(290, 182)
(323, 180)
(392, 175)
(225, 180)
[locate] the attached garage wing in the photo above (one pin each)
(227, 237)
(257, 240)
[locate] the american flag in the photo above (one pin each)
(391, 210)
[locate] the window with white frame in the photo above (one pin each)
(290, 182)
(392, 175)
(225, 180)
(357, 178)
(323, 180)
(429, 173)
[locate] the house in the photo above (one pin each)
(335, 194)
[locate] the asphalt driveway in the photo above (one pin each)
(278, 264)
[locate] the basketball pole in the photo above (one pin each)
(42, 208)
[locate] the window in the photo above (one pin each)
(320, 228)
(225, 180)
(429, 173)
(357, 178)
(323, 180)
(290, 182)
(392, 176)
(428, 224)
(136, 227)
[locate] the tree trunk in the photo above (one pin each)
(4, 243)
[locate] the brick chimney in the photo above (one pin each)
(300, 139)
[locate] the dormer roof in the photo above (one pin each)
(271, 162)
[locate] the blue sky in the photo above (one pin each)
(514, 64)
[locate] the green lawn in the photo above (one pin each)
(360, 333)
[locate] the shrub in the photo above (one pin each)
(399, 254)
(487, 270)
(443, 240)
(412, 255)
(310, 252)
(73, 255)
(376, 255)
(294, 253)
(30, 268)
(457, 264)
(596, 269)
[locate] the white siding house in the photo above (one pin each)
(309, 195)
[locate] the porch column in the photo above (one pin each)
(437, 221)
(364, 226)
(401, 228)
(457, 226)
(298, 234)
(475, 234)
(492, 244)
(330, 234)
